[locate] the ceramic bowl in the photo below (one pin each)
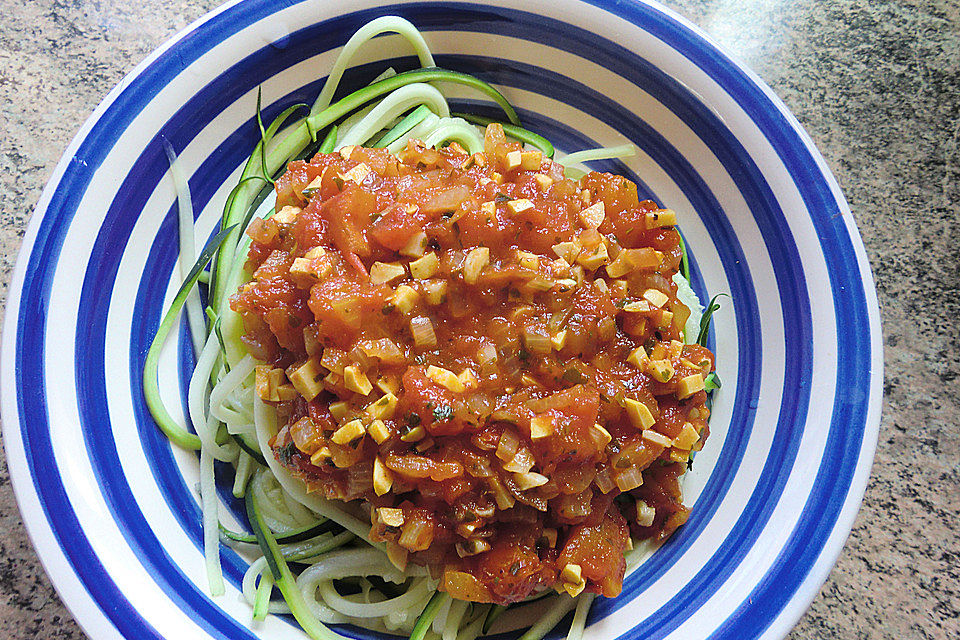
(111, 506)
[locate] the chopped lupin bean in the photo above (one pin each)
(595, 259)
(320, 456)
(559, 339)
(687, 437)
(530, 480)
(689, 385)
(305, 379)
(357, 174)
(531, 160)
(339, 410)
(348, 432)
(602, 434)
(390, 516)
(382, 478)
(655, 297)
(356, 380)
(414, 435)
(661, 370)
(645, 514)
(425, 267)
(640, 415)
(445, 378)
(638, 357)
(544, 182)
(519, 206)
(383, 408)
(468, 378)
(404, 298)
(379, 431)
(416, 246)
(661, 218)
(656, 437)
(383, 272)
(287, 214)
(541, 427)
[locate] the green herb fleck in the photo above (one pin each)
(285, 453)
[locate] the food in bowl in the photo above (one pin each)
(490, 361)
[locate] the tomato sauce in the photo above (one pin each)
(487, 354)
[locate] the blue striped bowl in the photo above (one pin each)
(111, 507)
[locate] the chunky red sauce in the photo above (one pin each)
(487, 354)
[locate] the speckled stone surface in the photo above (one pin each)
(876, 84)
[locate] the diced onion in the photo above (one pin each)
(478, 467)
(445, 201)
(359, 480)
(604, 480)
(537, 341)
(521, 462)
(417, 535)
(486, 353)
(423, 333)
(480, 404)
(383, 349)
(508, 445)
(630, 478)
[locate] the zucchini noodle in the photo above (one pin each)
(393, 106)
(346, 579)
(419, 131)
(188, 251)
(606, 153)
(385, 24)
(455, 130)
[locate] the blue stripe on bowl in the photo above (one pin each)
(45, 233)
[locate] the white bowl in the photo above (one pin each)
(110, 504)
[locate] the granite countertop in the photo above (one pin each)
(876, 83)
